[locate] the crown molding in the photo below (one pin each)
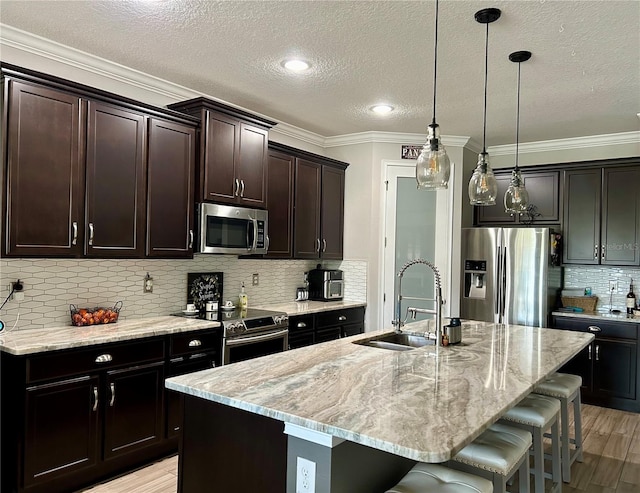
(390, 138)
(298, 133)
(565, 144)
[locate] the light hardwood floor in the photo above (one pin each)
(611, 460)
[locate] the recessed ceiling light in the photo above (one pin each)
(382, 109)
(296, 65)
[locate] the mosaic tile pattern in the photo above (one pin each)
(597, 277)
(52, 284)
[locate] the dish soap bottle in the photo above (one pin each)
(243, 300)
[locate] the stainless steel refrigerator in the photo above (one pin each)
(507, 275)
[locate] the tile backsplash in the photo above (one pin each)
(50, 285)
(597, 277)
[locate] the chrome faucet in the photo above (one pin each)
(438, 301)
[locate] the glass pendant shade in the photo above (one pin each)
(483, 187)
(433, 167)
(516, 199)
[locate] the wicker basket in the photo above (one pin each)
(587, 303)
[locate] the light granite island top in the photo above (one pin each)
(424, 404)
(31, 341)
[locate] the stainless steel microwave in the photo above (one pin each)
(231, 230)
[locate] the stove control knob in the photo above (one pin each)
(281, 319)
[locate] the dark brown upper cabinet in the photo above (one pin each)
(44, 171)
(76, 172)
(544, 195)
(171, 177)
(305, 200)
(116, 182)
(233, 153)
(602, 216)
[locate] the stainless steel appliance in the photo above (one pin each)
(326, 284)
(508, 276)
(231, 230)
(250, 333)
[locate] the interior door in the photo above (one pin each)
(417, 225)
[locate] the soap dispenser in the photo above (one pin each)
(243, 300)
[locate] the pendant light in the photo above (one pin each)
(433, 166)
(516, 199)
(483, 187)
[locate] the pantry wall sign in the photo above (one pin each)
(411, 151)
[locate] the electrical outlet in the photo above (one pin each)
(17, 290)
(255, 279)
(305, 476)
(613, 286)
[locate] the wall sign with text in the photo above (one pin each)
(411, 152)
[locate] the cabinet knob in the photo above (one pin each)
(597, 353)
(195, 343)
(317, 244)
(235, 192)
(74, 228)
(301, 325)
(112, 387)
(104, 358)
(589, 352)
(602, 251)
(90, 233)
(342, 318)
(241, 188)
(95, 398)
(324, 245)
(594, 328)
(190, 238)
(595, 252)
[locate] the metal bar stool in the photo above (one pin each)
(435, 478)
(566, 388)
(497, 454)
(536, 414)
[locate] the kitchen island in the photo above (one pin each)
(362, 414)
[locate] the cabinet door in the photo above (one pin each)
(306, 216)
(582, 216)
(61, 428)
(280, 204)
(352, 329)
(615, 368)
(301, 338)
(544, 194)
(44, 173)
(170, 192)
(620, 234)
(332, 219)
(133, 403)
(495, 214)
(581, 365)
(222, 145)
(115, 191)
(329, 334)
(251, 165)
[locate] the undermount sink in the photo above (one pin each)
(397, 342)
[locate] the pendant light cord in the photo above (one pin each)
(435, 66)
(486, 72)
(518, 118)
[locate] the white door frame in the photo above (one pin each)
(394, 169)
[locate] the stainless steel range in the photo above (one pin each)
(250, 333)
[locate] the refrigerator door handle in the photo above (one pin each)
(498, 285)
(504, 286)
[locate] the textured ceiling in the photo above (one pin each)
(583, 77)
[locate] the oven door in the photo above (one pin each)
(253, 346)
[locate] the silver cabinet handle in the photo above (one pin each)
(301, 325)
(595, 252)
(104, 358)
(190, 238)
(317, 244)
(342, 318)
(597, 353)
(324, 245)
(90, 233)
(195, 343)
(74, 228)
(95, 398)
(242, 188)
(603, 251)
(594, 328)
(112, 387)
(237, 187)
(589, 352)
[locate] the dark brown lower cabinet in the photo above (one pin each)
(609, 365)
(60, 413)
(305, 330)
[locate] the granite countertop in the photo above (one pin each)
(29, 341)
(599, 315)
(305, 307)
(425, 404)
